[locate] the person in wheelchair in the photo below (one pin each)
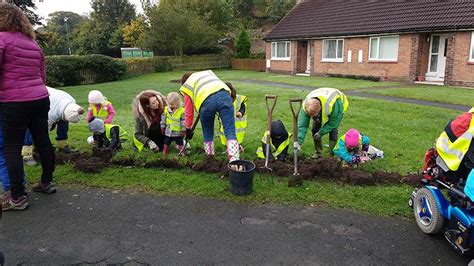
(455, 148)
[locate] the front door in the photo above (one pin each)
(437, 59)
(308, 60)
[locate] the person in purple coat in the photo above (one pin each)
(24, 102)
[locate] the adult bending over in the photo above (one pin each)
(147, 108)
(24, 102)
(204, 92)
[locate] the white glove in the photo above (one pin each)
(152, 145)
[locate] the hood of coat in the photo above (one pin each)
(137, 108)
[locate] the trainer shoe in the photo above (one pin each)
(4, 195)
(8, 203)
(47, 189)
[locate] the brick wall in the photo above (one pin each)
(399, 70)
(282, 66)
(460, 72)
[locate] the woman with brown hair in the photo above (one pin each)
(147, 108)
(24, 103)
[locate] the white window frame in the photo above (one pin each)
(274, 52)
(378, 49)
(333, 60)
(471, 54)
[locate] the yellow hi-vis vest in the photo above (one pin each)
(452, 153)
(174, 120)
(122, 133)
(103, 111)
(200, 85)
(261, 153)
(328, 97)
(240, 122)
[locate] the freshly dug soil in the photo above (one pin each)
(129, 161)
(91, 165)
(386, 178)
(62, 158)
(104, 155)
(412, 179)
(211, 165)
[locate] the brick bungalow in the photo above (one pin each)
(390, 40)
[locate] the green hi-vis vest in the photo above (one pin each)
(240, 122)
(174, 120)
(200, 85)
(122, 133)
(103, 111)
(261, 153)
(328, 97)
(452, 153)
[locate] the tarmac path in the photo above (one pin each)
(96, 226)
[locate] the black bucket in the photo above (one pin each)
(241, 182)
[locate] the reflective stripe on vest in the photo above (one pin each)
(122, 133)
(200, 85)
(240, 122)
(328, 97)
(103, 111)
(174, 120)
(261, 153)
(452, 153)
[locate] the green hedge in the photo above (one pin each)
(88, 69)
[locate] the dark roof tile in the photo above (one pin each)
(324, 18)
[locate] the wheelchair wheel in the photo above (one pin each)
(427, 214)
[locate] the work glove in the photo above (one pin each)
(189, 134)
(355, 160)
(152, 145)
(317, 136)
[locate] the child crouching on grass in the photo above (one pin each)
(172, 122)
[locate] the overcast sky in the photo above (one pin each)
(81, 7)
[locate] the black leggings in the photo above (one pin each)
(17, 117)
(154, 133)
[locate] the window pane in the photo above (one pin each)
(435, 45)
(281, 49)
(434, 63)
(287, 49)
(329, 49)
(388, 48)
(373, 47)
(273, 49)
(340, 46)
(472, 46)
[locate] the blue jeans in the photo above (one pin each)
(218, 102)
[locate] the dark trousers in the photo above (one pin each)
(17, 118)
(154, 133)
(177, 140)
(62, 127)
(333, 135)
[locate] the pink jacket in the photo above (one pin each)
(110, 113)
(22, 71)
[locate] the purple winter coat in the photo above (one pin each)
(22, 71)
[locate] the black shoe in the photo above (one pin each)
(48, 189)
(67, 150)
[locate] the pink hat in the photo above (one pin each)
(96, 97)
(352, 138)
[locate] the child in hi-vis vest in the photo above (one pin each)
(100, 107)
(172, 122)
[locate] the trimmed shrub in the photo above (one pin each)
(87, 69)
(242, 49)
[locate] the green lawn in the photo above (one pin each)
(403, 131)
(443, 94)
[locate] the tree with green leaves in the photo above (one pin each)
(242, 49)
(102, 34)
(179, 31)
(277, 9)
(58, 32)
(28, 7)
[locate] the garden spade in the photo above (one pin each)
(270, 101)
(295, 112)
(186, 140)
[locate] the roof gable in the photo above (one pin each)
(324, 18)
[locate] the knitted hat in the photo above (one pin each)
(96, 97)
(97, 125)
(73, 113)
(352, 138)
